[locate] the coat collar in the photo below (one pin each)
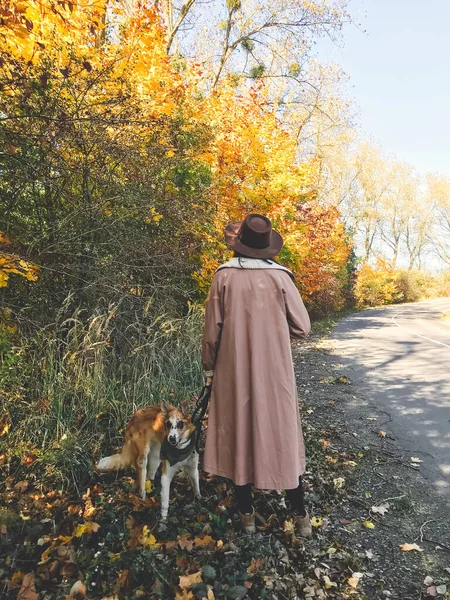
(253, 263)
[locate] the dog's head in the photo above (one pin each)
(178, 423)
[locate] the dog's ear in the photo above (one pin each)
(164, 408)
(184, 407)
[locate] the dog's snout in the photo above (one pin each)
(172, 439)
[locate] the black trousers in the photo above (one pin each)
(243, 495)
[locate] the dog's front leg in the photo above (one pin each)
(192, 469)
(168, 473)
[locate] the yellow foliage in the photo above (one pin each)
(13, 264)
(376, 285)
(248, 157)
(147, 539)
(89, 527)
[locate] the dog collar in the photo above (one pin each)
(175, 455)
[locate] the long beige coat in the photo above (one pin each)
(254, 431)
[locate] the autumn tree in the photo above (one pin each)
(100, 163)
(435, 230)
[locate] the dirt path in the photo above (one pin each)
(338, 414)
(400, 356)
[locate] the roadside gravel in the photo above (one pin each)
(376, 472)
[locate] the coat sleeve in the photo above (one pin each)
(296, 313)
(213, 326)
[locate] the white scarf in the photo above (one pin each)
(253, 263)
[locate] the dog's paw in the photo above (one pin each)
(198, 496)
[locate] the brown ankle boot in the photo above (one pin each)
(303, 526)
(248, 521)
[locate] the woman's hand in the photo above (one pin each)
(209, 381)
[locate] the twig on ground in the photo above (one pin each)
(358, 501)
(423, 538)
(393, 498)
(422, 526)
(440, 544)
(387, 413)
(160, 575)
(398, 460)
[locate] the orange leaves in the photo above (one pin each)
(184, 595)
(410, 547)
(29, 27)
(187, 580)
(206, 540)
(254, 167)
(186, 543)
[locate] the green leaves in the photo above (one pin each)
(257, 71)
(237, 591)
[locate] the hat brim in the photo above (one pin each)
(232, 239)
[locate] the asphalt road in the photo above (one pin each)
(400, 357)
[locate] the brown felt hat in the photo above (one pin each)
(254, 237)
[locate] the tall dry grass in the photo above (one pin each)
(84, 379)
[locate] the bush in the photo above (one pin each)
(412, 285)
(439, 285)
(376, 286)
(382, 285)
(418, 285)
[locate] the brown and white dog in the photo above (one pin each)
(150, 429)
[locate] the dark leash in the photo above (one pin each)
(198, 416)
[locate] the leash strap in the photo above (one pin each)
(198, 416)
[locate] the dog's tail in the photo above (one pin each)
(116, 461)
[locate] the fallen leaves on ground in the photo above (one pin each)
(410, 547)
(206, 540)
(185, 542)
(147, 539)
(27, 590)
(353, 581)
(380, 510)
(439, 590)
(185, 595)
(89, 527)
(186, 581)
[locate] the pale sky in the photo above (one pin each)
(399, 73)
